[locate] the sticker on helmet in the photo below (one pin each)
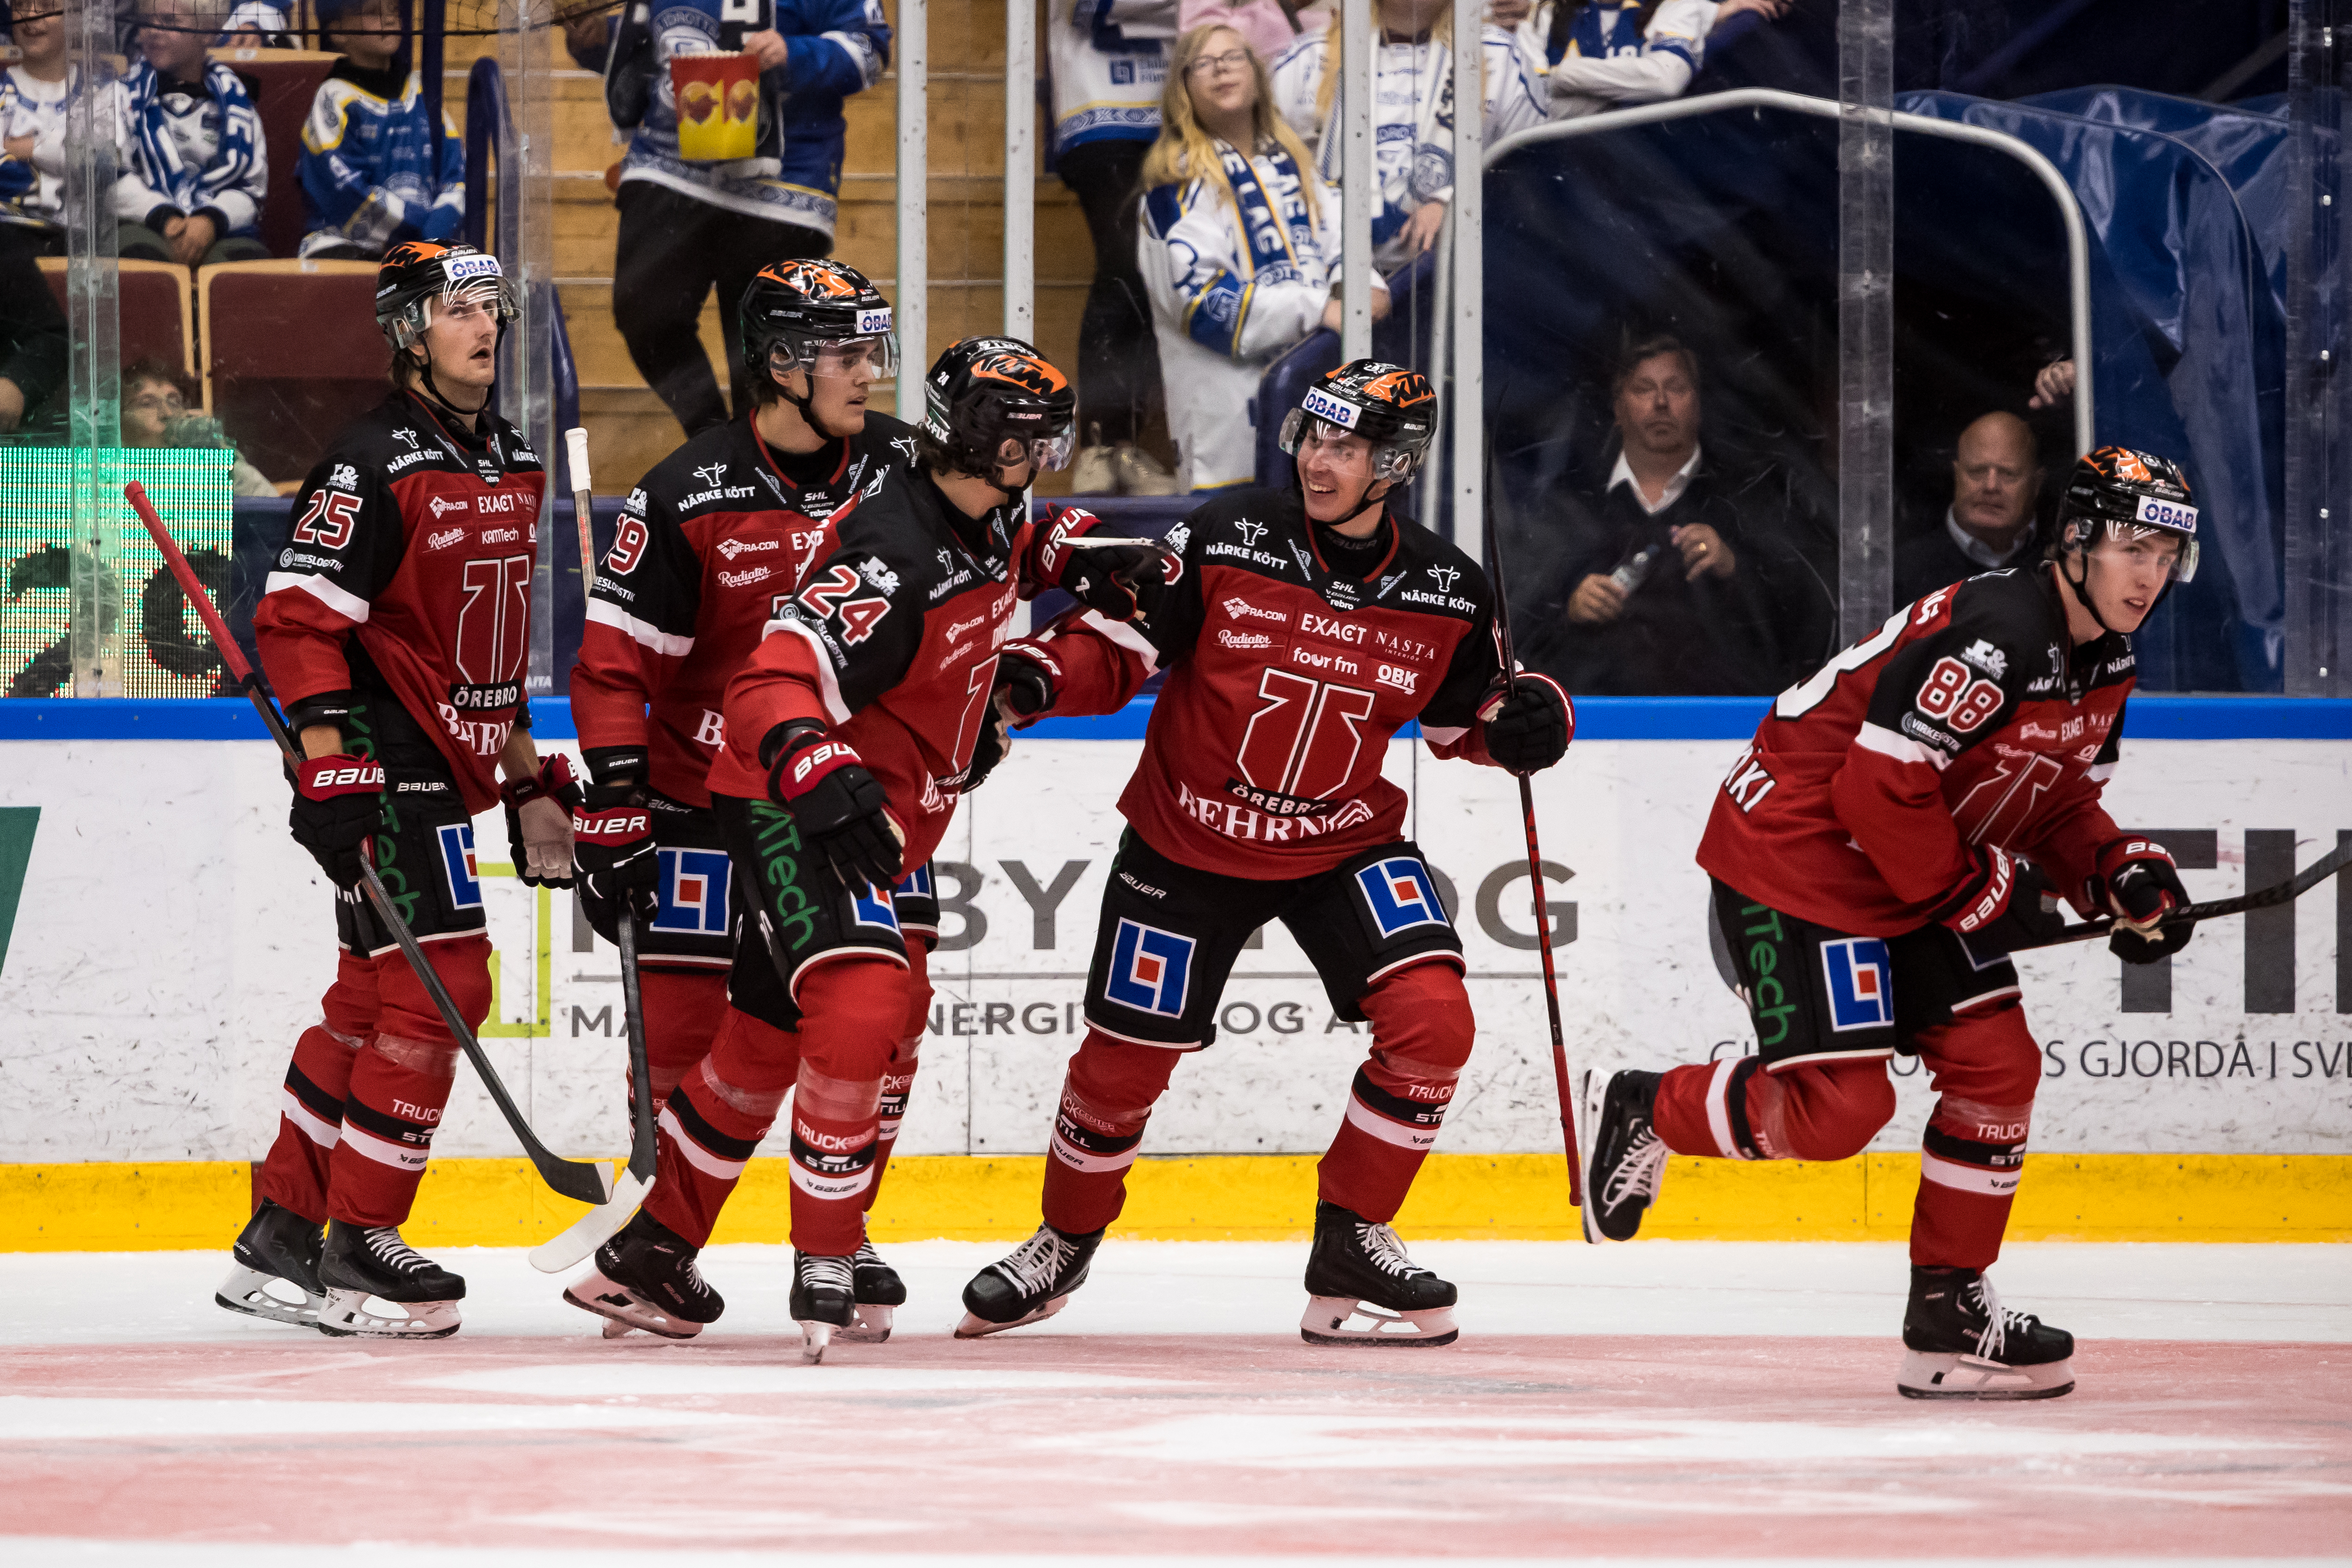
(1323, 406)
(2166, 515)
(873, 321)
(458, 268)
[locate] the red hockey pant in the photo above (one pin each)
(365, 1091)
(683, 1010)
(1984, 1067)
(848, 1070)
(1422, 1034)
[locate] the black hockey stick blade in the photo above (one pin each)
(2269, 897)
(635, 1183)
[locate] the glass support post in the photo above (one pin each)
(1358, 192)
(1020, 170)
(2319, 458)
(910, 294)
(94, 370)
(525, 242)
(1466, 293)
(1865, 30)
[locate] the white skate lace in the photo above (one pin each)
(1636, 1176)
(1998, 1320)
(1385, 1252)
(392, 1253)
(1038, 1261)
(823, 1271)
(867, 1255)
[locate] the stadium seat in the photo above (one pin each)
(1403, 338)
(283, 83)
(155, 316)
(291, 354)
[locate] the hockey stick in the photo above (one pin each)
(2269, 897)
(1560, 1082)
(580, 1180)
(596, 1227)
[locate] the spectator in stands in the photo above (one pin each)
(260, 24)
(1595, 54)
(194, 167)
(32, 334)
(1412, 116)
(688, 226)
(2053, 385)
(1240, 250)
(155, 413)
(1109, 65)
(1667, 578)
(1996, 480)
(32, 127)
(376, 170)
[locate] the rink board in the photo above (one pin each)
(169, 942)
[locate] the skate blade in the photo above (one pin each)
(975, 1327)
(622, 1310)
(1936, 1375)
(816, 1336)
(1329, 1321)
(872, 1327)
(346, 1315)
(247, 1290)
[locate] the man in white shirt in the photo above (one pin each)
(1996, 481)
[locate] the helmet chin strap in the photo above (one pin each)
(807, 406)
(433, 389)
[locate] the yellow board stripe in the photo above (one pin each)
(1252, 1197)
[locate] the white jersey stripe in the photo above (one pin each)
(1718, 1110)
(335, 597)
(698, 1157)
(1968, 1178)
(1364, 1118)
(638, 632)
(319, 1131)
(1902, 748)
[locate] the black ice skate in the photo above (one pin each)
(1628, 1159)
(278, 1247)
(645, 1278)
(361, 1263)
(1029, 1285)
(824, 1302)
(1358, 1273)
(877, 1292)
(1960, 1343)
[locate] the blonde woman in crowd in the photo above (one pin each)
(1240, 249)
(1413, 114)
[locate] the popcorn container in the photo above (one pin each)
(718, 98)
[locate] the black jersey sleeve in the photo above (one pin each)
(342, 552)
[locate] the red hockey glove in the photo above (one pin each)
(1528, 725)
(338, 803)
(1028, 679)
(2142, 886)
(2005, 904)
(838, 805)
(1119, 582)
(539, 823)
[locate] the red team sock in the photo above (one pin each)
(1106, 1098)
(854, 1011)
(1421, 1035)
(1985, 1067)
(899, 1078)
(712, 1123)
(294, 1176)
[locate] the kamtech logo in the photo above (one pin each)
(444, 539)
(731, 549)
(440, 505)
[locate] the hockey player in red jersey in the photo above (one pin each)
(1897, 829)
(851, 733)
(1300, 629)
(396, 632)
(709, 546)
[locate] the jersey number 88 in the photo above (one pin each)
(1953, 696)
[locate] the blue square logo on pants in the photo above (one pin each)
(916, 883)
(457, 859)
(1398, 892)
(693, 885)
(1861, 981)
(1151, 969)
(871, 905)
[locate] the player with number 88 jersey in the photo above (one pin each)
(1902, 823)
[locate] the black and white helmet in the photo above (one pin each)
(983, 392)
(416, 275)
(2118, 493)
(1393, 408)
(795, 312)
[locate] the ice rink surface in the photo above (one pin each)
(1656, 1403)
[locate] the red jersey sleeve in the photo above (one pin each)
(344, 550)
(640, 626)
(1450, 724)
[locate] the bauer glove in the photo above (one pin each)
(1119, 582)
(1028, 680)
(2005, 905)
(539, 823)
(836, 803)
(338, 804)
(613, 842)
(1528, 725)
(2142, 887)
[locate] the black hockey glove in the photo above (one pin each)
(995, 739)
(2142, 886)
(539, 822)
(613, 842)
(838, 805)
(1528, 725)
(338, 804)
(2006, 906)
(1118, 581)
(1028, 679)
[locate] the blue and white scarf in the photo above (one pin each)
(192, 190)
(1265, 232)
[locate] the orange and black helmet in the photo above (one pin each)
(985, 391)
(1393, 408)
(799, 305)
(2130, 493)
(414, 273)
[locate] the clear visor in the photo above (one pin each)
(474, 299)
(867, 359)
(2130, 543)
(1044, 453)
(1351, 454)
